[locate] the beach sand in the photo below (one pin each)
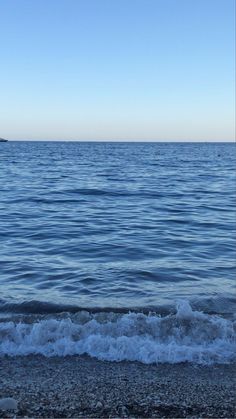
(85, 387)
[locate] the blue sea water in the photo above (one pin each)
(108, 228)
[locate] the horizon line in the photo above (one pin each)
(120, 141)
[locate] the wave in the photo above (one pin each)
(188, 335)
(222, 305)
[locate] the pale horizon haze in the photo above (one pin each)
(134, 70)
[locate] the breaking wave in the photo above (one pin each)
(187, 335)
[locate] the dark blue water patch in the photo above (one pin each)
(117, 224)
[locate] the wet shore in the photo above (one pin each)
(85, 387)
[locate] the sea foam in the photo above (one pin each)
(185, 336)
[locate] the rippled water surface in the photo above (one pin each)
(119, 225)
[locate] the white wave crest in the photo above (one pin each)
(186, 336)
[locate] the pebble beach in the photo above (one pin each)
(81, 386)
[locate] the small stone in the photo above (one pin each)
(8, 404)
(124, 411)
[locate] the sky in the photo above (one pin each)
(144, 70)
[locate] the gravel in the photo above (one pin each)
(85, 387)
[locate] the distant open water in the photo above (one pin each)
(90, 231)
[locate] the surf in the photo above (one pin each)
(186, 336)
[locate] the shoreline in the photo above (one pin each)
(80, 386)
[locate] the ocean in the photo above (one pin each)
(121, 251)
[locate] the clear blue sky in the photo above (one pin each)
(117, 69)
